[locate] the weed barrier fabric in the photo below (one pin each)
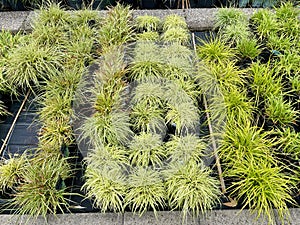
(25, 132)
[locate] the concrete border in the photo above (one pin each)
(216, 217)
(197, 19)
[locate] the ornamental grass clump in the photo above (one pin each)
(191, 189)
(41, 189)
(29, 64)
(146, 191)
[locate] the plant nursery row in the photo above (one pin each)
(138, 114)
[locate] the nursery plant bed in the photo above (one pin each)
(77, 182)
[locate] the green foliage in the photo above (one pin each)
(106, 186)
(147, 23)
(235, 33)
(146, 118)
(146, 191)
(10, 172)
(289, 141)
(248, 48)
(39, 192)
(185, 149)
(191, 188)
(177, 35)
(215, 51)
(264, 22)
(146, 149)
(265, 82)
(263, 186)
(148, 36)
(146, 62)
(238, 106)
(229, 16)
(112, 128)
(116, 28)
(30, 63)
(174, 21)
(245, 141)
(280, 112)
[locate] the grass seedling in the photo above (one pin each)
(265, 82)
(280, 112)
(147, 118)
(146, 191)
(227, 16)
(263, 187)
(30, 63)
(109, 156)
(185, 149)
(107, 186)
(289, 141)
(174, 21)
(244, 140)
(234, 33)
(116, 28)
(264, 22)
(146, 149)
(190, 188)
(113, 128)
(39, 192)
(10, 172)
(248, 48)
(147, 23)
(215, 51)
(148, 36)
(176, 35)
(146, 62)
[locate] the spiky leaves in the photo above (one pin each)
(42, 189)
(29, 64)
(146, 149)
(186, 149)
(10, 172)
(116, 28)
(146, 191)
(191, 188)
(106, 186)
(263, 186)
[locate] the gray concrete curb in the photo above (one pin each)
(217, 217)
(197, 19)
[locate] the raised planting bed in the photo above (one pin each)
(137, 114)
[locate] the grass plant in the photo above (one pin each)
(176, 35)
(263, 186)
(280, 112)
(117, 28)
(107, 186)
(146, 191)
(215, 51)
(186, 149)
(148, 23)
(30, 63)
(146, 149)
(248, 48)
(191, 189)
(38, 192)
(174, 21)
(10, 172)
(227, 16)
(148, 36)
